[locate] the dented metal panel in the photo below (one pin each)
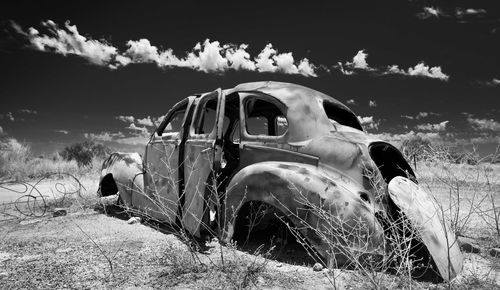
(427, 216)
(322, 171)
(295, 189)
(199, 159)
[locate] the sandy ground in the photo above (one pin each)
(61, 253)
(48, 188)
(72, 251)
(33, 197)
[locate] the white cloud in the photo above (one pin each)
(372, 103)
(145, 121)
(157, 120)
(65, 132)
(343, 70)
(434, 137)
(264, 61)
(394, 69)
(306, 68)
(419, 70)
(421, 115)
(285, 63)
(10, 117)
(368, 122)
(430, 12)
(68, 40)
(351, 102)
(141, 51)
(209, 56)
(493, 83)
(433, 127)
(359, 61)
(126, 119)
(269, 60)
(461, 12)
(239, 58)
(104, 136)
(424, 70)
(484, 124)
(495, 139)
(28, 111)
(143, 131)
(118, 137)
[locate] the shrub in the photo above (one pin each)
(84, 152)
(415, 147)
(13, 156)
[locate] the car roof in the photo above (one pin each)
(305, 113)
(287, 93)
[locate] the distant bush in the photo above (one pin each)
(415, 147)
(84, 152)
(18, 163)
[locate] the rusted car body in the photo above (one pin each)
(295, 149)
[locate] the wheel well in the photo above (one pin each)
(262, 225)
(108, 186)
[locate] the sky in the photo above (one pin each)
(72, 71)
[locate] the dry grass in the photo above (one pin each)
(18, 163)
(77, 251)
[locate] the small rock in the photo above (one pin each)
(60, 212)
(4, 256)
(134, 220)
(60, 251)
(279, 265)
(29, 221)
(4, 274)
(317, 267)
(495, 252)
(468, 245)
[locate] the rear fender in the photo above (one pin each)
(304, 193)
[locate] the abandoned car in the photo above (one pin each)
(301, 154)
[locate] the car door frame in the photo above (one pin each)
(202, 161)
(161, 196)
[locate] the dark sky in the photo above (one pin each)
(51, 96)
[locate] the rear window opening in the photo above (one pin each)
(390, 162)
(341, 115)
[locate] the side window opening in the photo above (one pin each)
(341, 115)
(281, 125)
(174, 124)
(235, 134)
(206, 121)
(264, 118)
(231, 129)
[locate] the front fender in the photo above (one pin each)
(428, 219)
(121, 173)
(320, 206)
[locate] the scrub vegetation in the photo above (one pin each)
(17, 162)
(94, 247)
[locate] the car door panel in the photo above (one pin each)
(201, 155)
(160, 198)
